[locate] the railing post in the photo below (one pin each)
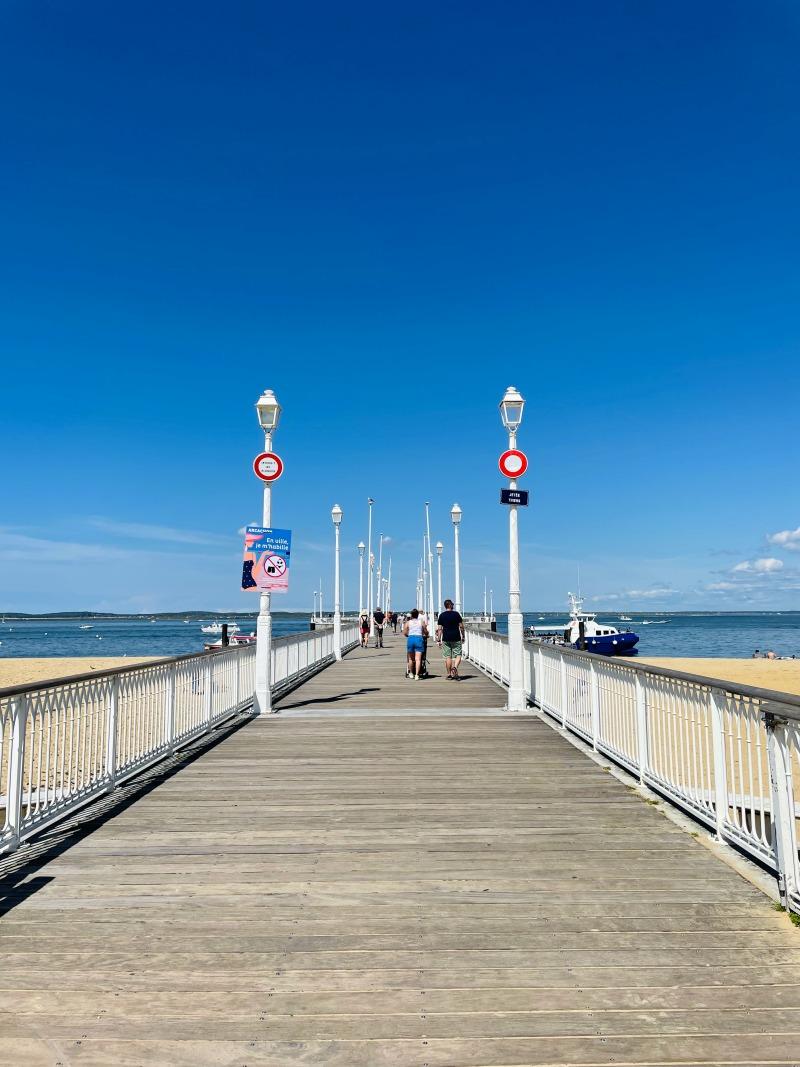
(641, 727)
(111, 732)
(237, 682)
(540, 673)
(595, 698)
(209, 694)
(16, 763)
(716, 707)
(784, 834)
(169, 707)
(563, 691)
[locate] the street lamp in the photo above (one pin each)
(455, 515)
(361, 549)
(439, 550)
(380, 573)
(336, 515)
(370, 568)
(432, 614)
(269, 413)
(511, 408)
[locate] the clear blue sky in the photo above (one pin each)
(388, 215)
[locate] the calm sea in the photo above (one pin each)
(124, 637)
(660, 634)
(699, 634)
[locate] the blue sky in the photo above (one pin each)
(387, 216)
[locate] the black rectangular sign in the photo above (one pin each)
(514, 496)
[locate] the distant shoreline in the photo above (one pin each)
(194, 614)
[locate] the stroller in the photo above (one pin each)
(423, 666)
(423, 663)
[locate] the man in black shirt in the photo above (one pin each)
(450, 632)
(379, 618)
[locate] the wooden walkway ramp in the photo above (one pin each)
(361, 890)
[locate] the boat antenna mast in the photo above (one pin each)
(575, 603)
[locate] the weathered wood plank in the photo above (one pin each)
(409, 891)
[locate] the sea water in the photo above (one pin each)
(709, 634)
(734, 635)
(125, 637)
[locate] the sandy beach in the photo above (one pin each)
(782, 675)
(22, 671)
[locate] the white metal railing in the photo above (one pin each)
(727, 754)
(65, 742)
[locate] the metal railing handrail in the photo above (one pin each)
(725, 753)
(66, 741)
(788, 700)
(108, 672)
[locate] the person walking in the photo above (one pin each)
(380, 619)
(415, 633)
(364, 627)
(450, 634)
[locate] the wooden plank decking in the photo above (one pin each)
(374, 679)
(356, 891)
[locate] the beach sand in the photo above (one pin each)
(782, 675)
(22, 671)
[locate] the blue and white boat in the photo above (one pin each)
(583, 630)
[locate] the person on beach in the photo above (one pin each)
(415, 632)
(380, 619)
(450, 634)
(364, 629)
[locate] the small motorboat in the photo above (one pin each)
(583, 631)
(216, 628)
(625, 618)
(236, 639)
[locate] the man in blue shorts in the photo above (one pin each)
(450, 632)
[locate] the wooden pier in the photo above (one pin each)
(388, 873)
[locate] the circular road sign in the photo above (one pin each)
(513, 463)
(268, 467)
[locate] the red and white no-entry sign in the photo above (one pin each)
(268, 467)
(513, 464)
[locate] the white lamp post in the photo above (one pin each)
(269, 413)
(455, 515)
(432, 613)
(370, 567)
(361, 549)
(336, 515)
(439, 550)
(511, 408)
(380, 573)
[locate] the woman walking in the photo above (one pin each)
(415, 632)
(364, 629)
